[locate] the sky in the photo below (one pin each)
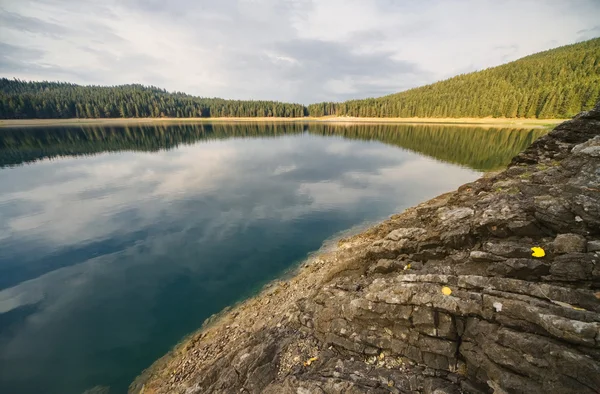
(288, 50)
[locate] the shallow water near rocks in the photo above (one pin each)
(115, 242)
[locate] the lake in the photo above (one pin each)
(116, 242)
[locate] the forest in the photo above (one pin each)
(557, 83)
(58, 100)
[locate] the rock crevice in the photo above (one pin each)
(446, 297)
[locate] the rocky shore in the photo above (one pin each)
(446, 297)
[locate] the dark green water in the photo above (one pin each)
(115, 242)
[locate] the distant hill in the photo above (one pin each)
(558, 83)
(52, 100)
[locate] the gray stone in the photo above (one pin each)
(593, 246)
(573, 267)
(455, 214)
(385, 266)
(508, 249)
(486, 257)
(588, 149)
(569, 243)
(405, 233)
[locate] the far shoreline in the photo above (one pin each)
(481, 122)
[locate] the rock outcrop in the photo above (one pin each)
(446, 297)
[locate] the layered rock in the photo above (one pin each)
(446, 297)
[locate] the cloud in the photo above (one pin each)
(586, 34)
(12, 55)
(339, 69)
(292, 50)
(28, 24)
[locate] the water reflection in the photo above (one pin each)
(107, 260)
(475, 147)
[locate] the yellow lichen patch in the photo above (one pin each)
(446, 290)
(537, 251)
(407, 267)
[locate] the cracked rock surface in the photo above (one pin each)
(445, 297)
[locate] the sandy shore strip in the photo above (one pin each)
(487, 122)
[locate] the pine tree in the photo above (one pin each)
(536, 82)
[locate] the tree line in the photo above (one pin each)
(557, 83)
(50, 100)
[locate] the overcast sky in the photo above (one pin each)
(290, 50)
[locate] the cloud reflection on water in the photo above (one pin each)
(123, 248)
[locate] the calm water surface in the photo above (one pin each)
(115, 242)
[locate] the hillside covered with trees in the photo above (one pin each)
(558, 83)
(27, 100)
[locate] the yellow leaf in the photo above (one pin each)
(537, 252)
(446, 290)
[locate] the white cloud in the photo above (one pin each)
(293, 50)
